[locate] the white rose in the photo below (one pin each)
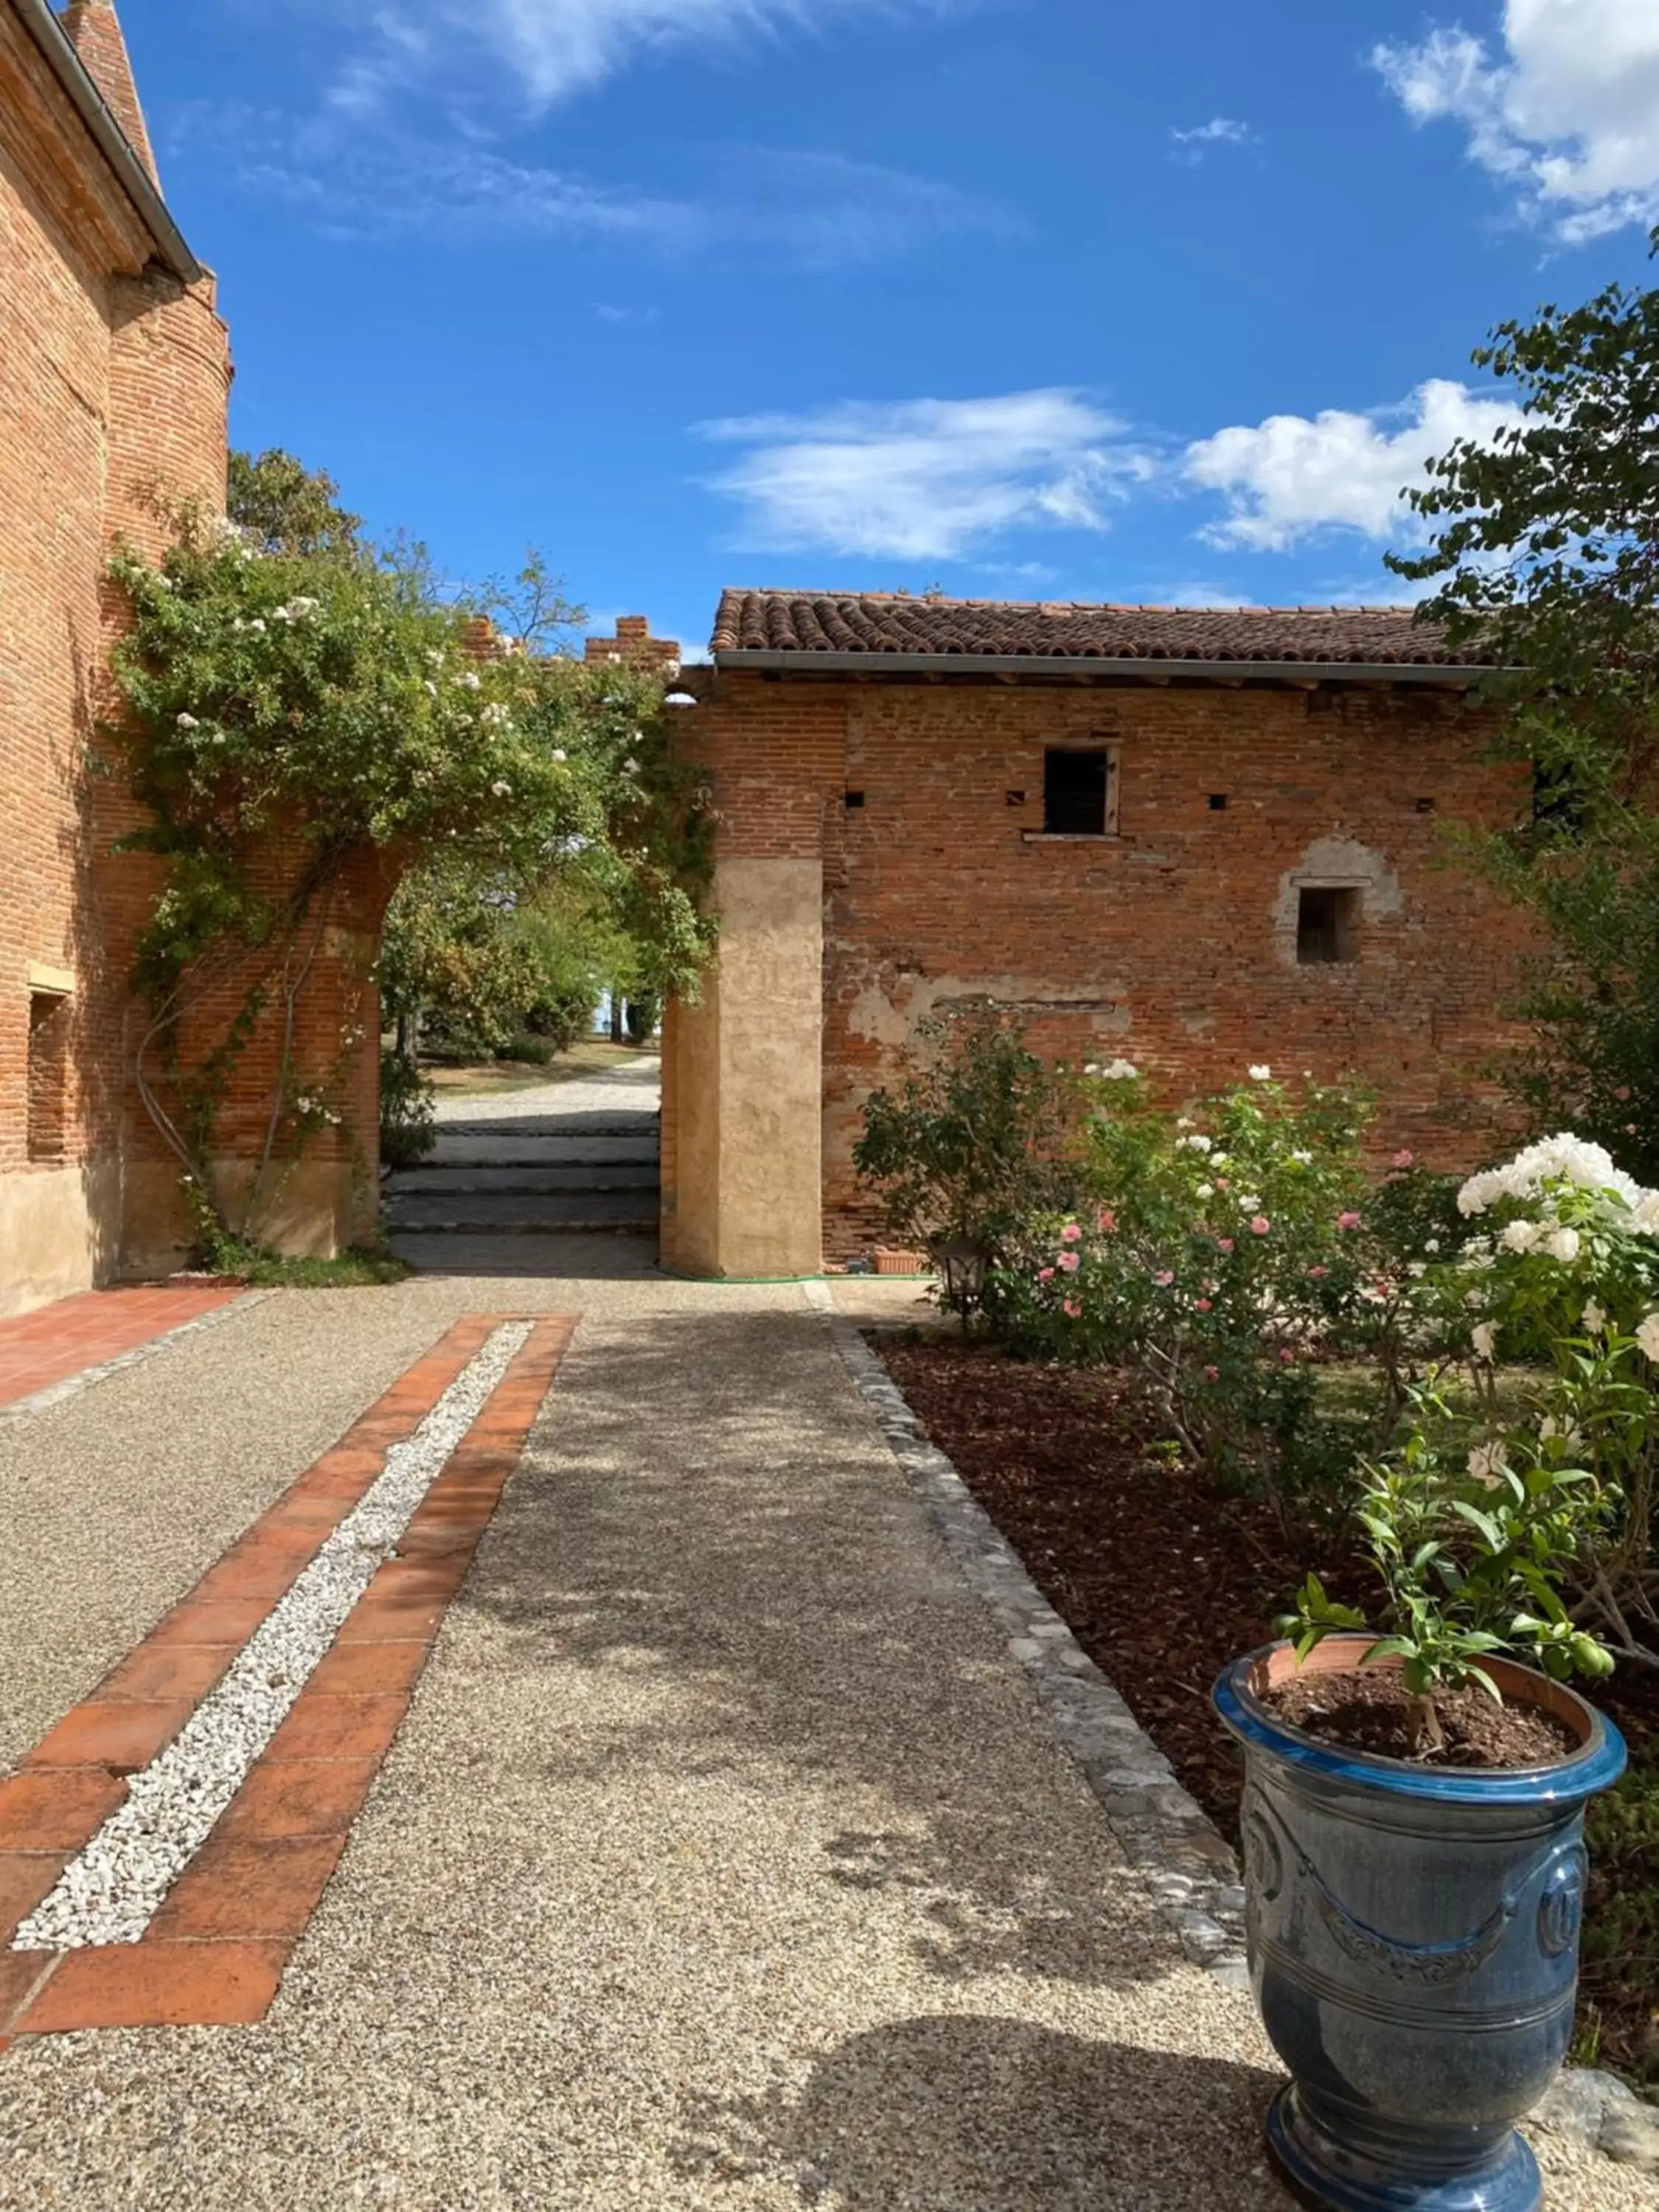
(1261, 1073)
(1120, 1071)
(1594, 1319)
(1520, 1235)
(188, 722)
(558, 753)
(1207, 1191)
(500, 790)
(1484, 1337)
(1647, 1336)
(1563, 1245)
(468, 680)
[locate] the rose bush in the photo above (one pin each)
(1222, 1249)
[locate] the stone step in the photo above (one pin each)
(553, 1127)
(530, 1180)
(538, 1153)
(468, 1213)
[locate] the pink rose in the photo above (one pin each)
(1070, 1261)
(1204, 1305)
(1225, 1244)
(1259, 1224)
(1319, 1271)
(1164, 1277)
(1108, 1221)
(1349, 1220)
(1072, 1309)
(1287, 1357)
(1045, 1274)
(1071, 1234)
(1404, 1159)
(1222, 1184)
(1213, 1375)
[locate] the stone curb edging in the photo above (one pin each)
(56, 1393)
(1166, 1836)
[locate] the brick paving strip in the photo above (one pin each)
(58, 1350)
(214, 1951)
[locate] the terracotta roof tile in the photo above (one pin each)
(878, 623)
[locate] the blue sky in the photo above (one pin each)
(1050, 298)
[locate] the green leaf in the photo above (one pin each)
(1483, 1523)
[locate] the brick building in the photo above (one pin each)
(114, 377)
(1199, 840)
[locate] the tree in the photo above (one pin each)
(283, 506)
(483, 944)
(299, 703)
(1547, 557)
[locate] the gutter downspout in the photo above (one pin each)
(66, 66)
(778, 661)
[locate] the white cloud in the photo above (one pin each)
(926, 479)
(1220, 131)
(550, 50)
(358, 179)
(1292, 474)
(1566, 113)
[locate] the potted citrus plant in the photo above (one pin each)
(1412, 1815)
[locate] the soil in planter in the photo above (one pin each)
(1367, 1709)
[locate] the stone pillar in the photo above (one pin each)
(747, 1082)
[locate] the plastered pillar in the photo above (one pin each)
(747, 1087)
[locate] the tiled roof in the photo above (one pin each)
(875, 622)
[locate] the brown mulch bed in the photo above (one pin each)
(1162, 1583)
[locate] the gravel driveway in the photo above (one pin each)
(726, 1858)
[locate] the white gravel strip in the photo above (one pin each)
(112, 1892)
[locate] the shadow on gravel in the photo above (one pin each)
(707, 1509)
(968, 2113)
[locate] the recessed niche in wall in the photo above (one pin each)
(1327, 924)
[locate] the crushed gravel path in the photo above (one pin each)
(726, 1859)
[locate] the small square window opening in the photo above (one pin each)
(1327, 925)
(1076, 792)
(47, 1122)
(1218, 802)
(854, 797)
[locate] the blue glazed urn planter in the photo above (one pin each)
(1413, 1943)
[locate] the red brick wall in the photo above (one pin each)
(1174, 942)
(94, 401)
(114, 387)
(633, 644)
